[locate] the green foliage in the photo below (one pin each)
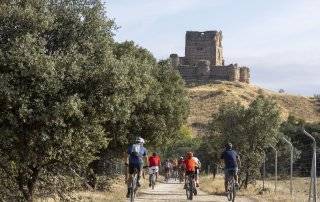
(292, 129)
(250, 130)
(51, 81)
(68, 91)
(159, 117)
(180, 144)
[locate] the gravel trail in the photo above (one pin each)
(173, 191)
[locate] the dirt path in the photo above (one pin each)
(174, 192)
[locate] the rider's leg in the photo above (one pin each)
(150, 176)
(139, 167)
(236, 177)
(129, 173)
(197, 177)
(226, 181)
(185, 180)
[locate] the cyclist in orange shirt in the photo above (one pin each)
(190, 166)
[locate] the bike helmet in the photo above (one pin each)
(228, 145)
(140, 140)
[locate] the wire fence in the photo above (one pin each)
(290, 171)
(287, 170)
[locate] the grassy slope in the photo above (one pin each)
(206, 99)
(300, 187)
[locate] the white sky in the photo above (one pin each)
(278, 39)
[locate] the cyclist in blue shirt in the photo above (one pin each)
(231, 164)
(135, 154)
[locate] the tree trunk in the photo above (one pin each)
(26, 184)
(246, 181)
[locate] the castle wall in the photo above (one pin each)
(244, 75)
(200, 75)
(203, 61)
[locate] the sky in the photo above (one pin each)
(278, 39)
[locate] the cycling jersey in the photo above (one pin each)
(190, 165)
(154, 161)
(230, 159)
(136, 158)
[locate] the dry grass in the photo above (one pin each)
(301, 187)
(206, 99)
(117, 193)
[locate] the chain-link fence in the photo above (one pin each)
(288, 171)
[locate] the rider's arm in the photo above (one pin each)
(147, 160)
(126, 161)
(239, 162)
(145, 156)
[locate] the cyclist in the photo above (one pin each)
(175, 168)
(198, 166)
(181, 167)
(190, 166)
(167, 169)
(154, 163)
(231, 164)
(180, 161)
(135, 154)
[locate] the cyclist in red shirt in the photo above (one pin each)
(154, 163)
(190, 166)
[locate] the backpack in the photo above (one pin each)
(135, 151)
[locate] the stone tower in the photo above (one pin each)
(204, 46)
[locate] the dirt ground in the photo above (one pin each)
(173, 191)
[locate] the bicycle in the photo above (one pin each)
(181, 176)
(133, 185)
(152, 178)
(175, 175)
(190, 186)
(231, 193)
(167, 175)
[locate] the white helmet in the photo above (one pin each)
(140, 140)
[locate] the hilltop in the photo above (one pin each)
(206, 99)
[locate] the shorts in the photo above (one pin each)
(133, 166)
(230, 172)
(190, 172)
(153, 169)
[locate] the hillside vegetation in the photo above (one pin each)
(206, 99)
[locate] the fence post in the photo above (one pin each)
(313, 182)
(275, 167)
(291, 162)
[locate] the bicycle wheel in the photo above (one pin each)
(230, 191)
(133, 187)
(233, 191)
(191, 188)
(187, 188)
(153, 180)
(132, 195)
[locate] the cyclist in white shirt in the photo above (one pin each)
(198, 166)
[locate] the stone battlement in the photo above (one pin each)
(203, 61)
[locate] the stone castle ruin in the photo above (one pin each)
(203, 61)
